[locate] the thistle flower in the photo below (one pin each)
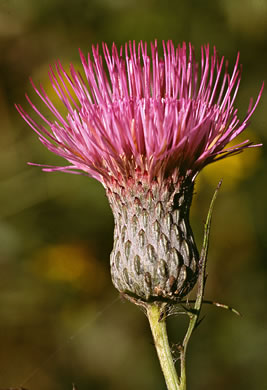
(144, 127)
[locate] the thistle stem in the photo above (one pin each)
(183, 349)
(157, 321)
(194, 315)
(156, 314)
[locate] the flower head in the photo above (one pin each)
(145, 127)
(135, 112)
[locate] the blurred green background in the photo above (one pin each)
(61, 321)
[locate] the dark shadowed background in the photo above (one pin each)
(61, 321)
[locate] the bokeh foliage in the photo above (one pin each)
(60, 319)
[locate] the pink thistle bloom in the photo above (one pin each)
(145, 127)
(148, 114)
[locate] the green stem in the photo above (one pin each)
(183, 349)
(157, 321)
(194, 315)
(156, 313)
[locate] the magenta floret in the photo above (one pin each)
(135, 111)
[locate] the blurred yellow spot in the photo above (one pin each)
(232, 169)
(41, 76)
(72, 263)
